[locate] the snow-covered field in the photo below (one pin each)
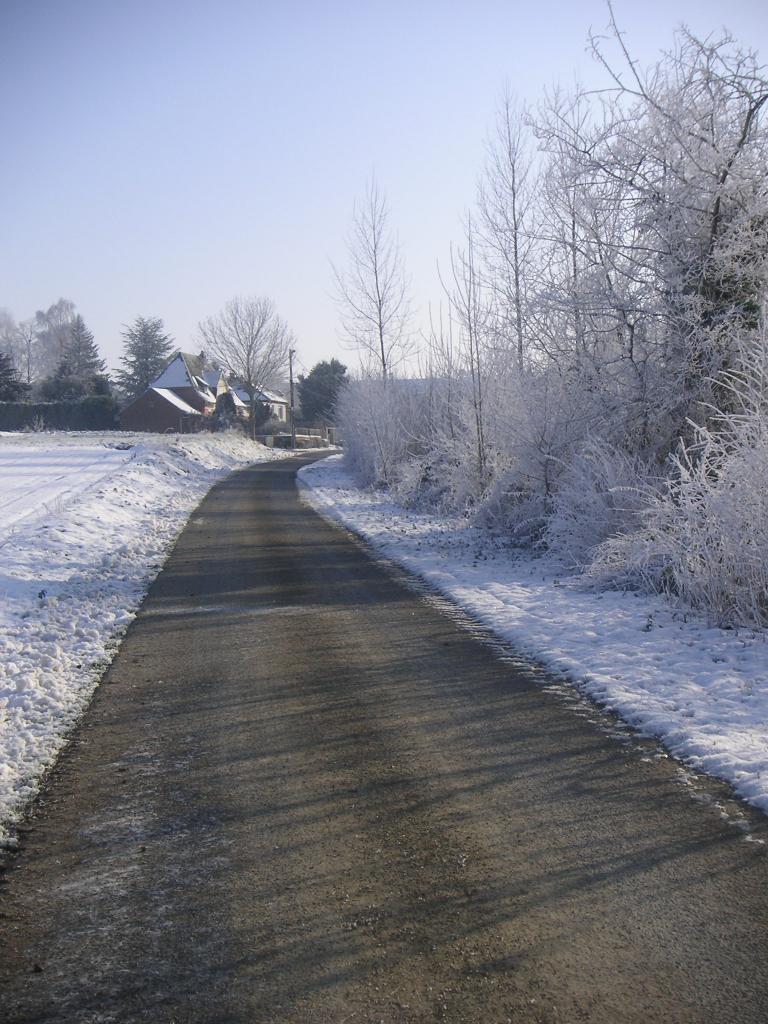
(702, 691)
(36, 482)
(86, 521)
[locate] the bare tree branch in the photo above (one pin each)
(372, 292)
(250, 340)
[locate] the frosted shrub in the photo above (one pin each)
(515, 509)
(423, 475)
(539, 423)
(456, 481)
(601, 493)
(705, 536)
(381, 423)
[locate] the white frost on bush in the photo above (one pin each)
(704, 537)
(594, 385)
(602, 493)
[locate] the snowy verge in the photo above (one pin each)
(86, 521)
(702, 691)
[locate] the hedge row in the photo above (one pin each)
(96, 412)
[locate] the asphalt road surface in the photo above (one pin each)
(304, 793)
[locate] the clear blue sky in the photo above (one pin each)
(159, 157)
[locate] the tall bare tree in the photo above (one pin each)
(10, 340)
(250, 340)
(27, 349)
(505, 201)
(471, 310)
(372, 292)
(52, 328)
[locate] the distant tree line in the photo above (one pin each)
(50, 357)
(54, 358)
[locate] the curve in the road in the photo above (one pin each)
(304, 794)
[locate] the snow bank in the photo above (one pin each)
(86, 521)
(702, 691)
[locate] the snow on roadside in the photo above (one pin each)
(702, 691)
(86, 521)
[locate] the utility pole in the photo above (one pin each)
(291, 354)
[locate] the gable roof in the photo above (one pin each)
(213, 377)
(173, 398)
(185, 371)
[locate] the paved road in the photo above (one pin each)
(304, 794)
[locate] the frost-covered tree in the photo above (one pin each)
(147, 348)
(37, 346)
(664, 185)
(383, 426)
(702, 536)
(52, 328)
(372, 290)
(506, 195)
(471, 310)
(598, 385)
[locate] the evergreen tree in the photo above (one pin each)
(81, 355)
(81, 371)
(319, 389)
(11, 387)
(147, 348)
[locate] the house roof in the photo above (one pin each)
(185, 371)
(212, 378)
(261, 395)
(218, 383)
(207, 395)
(272, 396)
(173, 398)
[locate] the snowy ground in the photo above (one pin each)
(702, 691)
(86, 521)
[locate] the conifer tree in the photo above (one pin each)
(11, 387)
(319, 389)
(81, 355)
(81, 371)
(147, 348)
